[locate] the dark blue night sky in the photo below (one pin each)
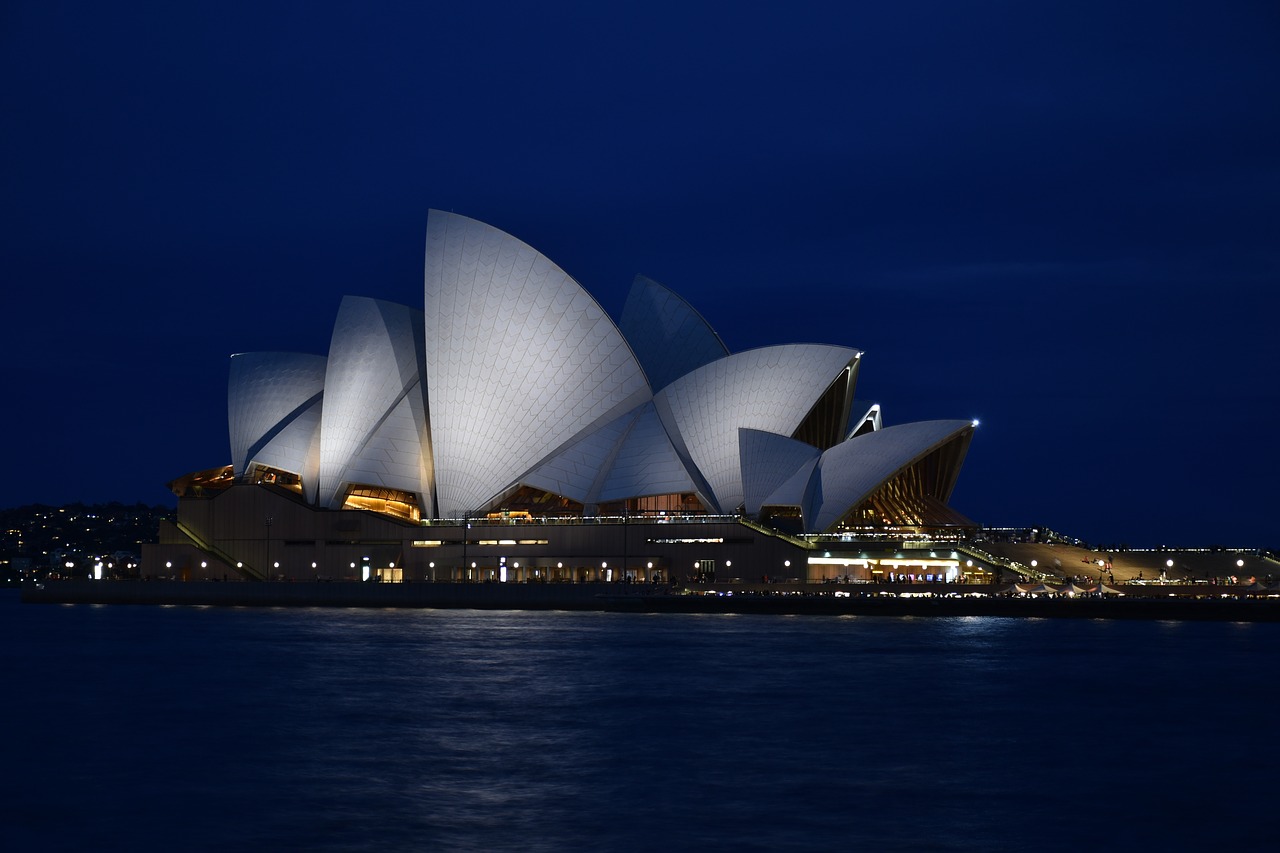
(1059, 218)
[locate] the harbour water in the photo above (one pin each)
(214, 728)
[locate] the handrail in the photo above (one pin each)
(1004, 562)
(769, 531)
(247, 571)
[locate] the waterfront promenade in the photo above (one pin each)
(1197, 602)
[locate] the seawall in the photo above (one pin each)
(640, 598)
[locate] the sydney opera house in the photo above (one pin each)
(512, 431)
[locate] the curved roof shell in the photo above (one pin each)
(394, 457)
(628, 457)
(852, 470)
(575, 471)
(768, 461)
(667, 334)
(769, 389)
(372, 425)
(796, 490)
(520, 359)
(296, 448)
(646, 463)
(273, 405)
(864, 417)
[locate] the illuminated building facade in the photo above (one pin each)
(514, 403)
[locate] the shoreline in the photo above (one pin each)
(1159, 603)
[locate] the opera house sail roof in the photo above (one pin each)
(513, 388)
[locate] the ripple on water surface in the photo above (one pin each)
(466, 730)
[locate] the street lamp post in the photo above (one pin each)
(465, 528)
(266, 570)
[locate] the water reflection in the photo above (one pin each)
(352, 730)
